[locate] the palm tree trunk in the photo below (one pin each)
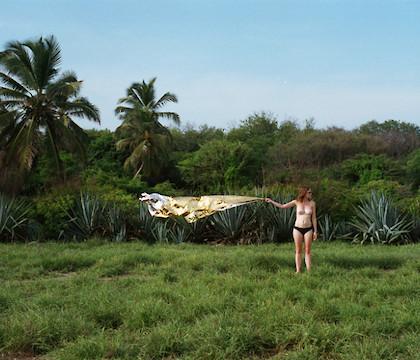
(138, 171)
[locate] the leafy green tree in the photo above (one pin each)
(102, 153)
(401, 137)
(217, 165)
(145, 138)
(259, 132)
(287, 131)
(413, 168)
(316, 149)
(374, 128)
(190, 139)
(40, 104)
(255, 126)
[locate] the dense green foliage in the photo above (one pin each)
(121, 218)
(208, 160)
(133, 301)
(46, 158)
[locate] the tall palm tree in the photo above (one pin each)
(39, 104)
(141, 132)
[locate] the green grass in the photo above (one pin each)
(99, 300)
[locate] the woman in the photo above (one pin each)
(305, 229)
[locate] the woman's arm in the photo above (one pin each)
(282, 206)
(314, 221)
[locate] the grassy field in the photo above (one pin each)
(99, 300)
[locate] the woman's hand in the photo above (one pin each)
(315, 236)
(268, 200)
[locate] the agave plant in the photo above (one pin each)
(115, 222)
(86, 217)
(232, 223)
(161, 232)
(146, 222)
(276, 224)
(181, 230)
(179, 234)
(330, 230)
(199, 230)
(13, 218)
(415, 232)
(377, 221)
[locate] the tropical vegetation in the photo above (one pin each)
(59, 181)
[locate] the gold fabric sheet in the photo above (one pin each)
(193, 208)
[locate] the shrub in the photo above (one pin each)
(364, 168)
(50, 210)
(112, 194)
(218, 164)
(413, 168)
(166, 188)
(389, 188)
(335, 198)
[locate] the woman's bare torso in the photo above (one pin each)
(303, 214)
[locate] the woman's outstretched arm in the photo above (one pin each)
(282, 206)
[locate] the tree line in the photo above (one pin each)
(43, 151)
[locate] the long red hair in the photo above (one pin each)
(302, 192)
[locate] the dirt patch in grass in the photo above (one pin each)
(19, 356)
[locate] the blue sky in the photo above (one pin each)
(341, 62)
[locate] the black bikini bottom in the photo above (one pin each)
(303, 231)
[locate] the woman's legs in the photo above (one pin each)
(298, 237)
(308, 243)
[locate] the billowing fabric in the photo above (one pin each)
(192, 208)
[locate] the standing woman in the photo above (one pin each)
(305, 229)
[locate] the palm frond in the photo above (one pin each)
(171, 116)
(83, 108)
(13, 84)
(23, 145)
(17, 61)
(11, 94)
(46, 59)
(167, 97)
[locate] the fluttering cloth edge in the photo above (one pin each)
(192, 208)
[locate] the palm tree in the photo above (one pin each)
(141, 132)
(38, 104)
